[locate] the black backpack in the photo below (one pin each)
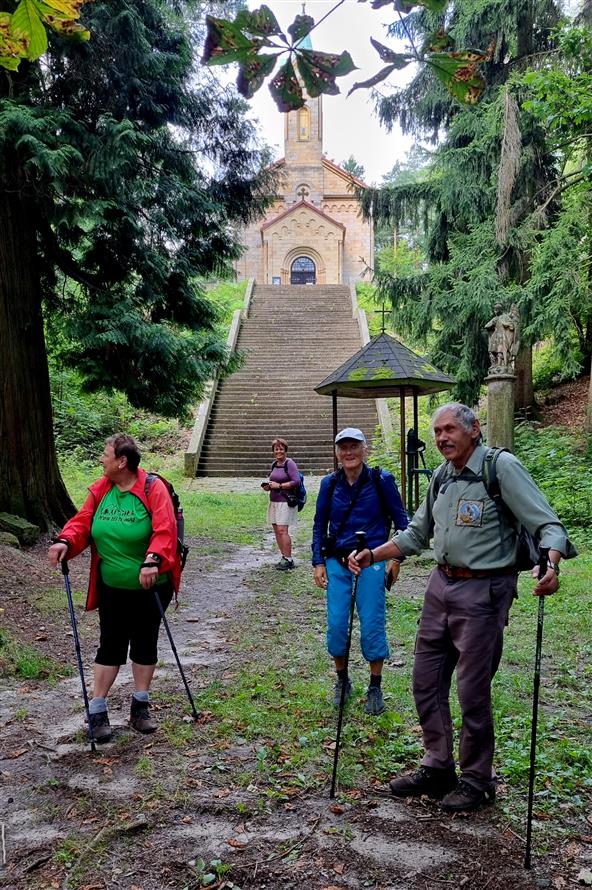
(529, 554)
(182, 549)
(297, 496)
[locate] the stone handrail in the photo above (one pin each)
(204, 410)
(384, 416)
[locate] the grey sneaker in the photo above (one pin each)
(337, 692)
(374, 701)
(102, 730)
(284, 565)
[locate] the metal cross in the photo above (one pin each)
(302, 193)
(383, 311)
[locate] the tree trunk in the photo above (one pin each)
(524, 388)
(588, 417)
(30, 481)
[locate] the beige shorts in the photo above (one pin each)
(278, 513)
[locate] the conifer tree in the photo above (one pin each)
(122, 172)
(473, 262)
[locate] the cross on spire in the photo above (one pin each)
(383, 311)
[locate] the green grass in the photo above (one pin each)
(279, 699)
(27, 663)
(53, 600)
(224, 517)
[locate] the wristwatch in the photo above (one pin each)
(553, 565)
(153, 557)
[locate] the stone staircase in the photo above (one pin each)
(293, 338)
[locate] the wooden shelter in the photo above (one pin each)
(384, 368)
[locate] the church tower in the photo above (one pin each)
(314, 232)
(303, 149)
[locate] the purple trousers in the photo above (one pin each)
(461, 626)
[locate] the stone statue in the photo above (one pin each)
(504, 338)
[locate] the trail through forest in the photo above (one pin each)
(167, 811)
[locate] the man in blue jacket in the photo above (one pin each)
(353, 499)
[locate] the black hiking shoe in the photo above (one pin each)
(284, 565)
(374, 701)
(426, 780)
(337, 692)
(102, 729)
(466, 797)
(140, 718)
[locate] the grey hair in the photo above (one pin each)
(465, 416)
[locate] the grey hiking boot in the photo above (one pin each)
(284, 565)
(102, 730)
(337, 692)
(140, 718)
(374, 701)
(426, 780)
(466, 797)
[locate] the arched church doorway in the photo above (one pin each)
(303, 271)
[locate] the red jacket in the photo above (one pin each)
(164, 530)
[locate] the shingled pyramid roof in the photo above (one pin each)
(382, 368)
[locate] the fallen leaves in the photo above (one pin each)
(238, 845)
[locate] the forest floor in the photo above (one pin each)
(565, 404)
(204, 804)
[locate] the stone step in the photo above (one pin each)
(259, 410)
(297, 438)
(292, 339)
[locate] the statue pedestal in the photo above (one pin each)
(500, 409)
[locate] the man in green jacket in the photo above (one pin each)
(467, 602)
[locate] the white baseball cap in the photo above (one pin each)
(350, 432)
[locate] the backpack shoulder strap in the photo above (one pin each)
(491, 481)
(435, 484)
(489, 473)
(376, 474)
(150, 477)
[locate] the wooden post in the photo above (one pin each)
(416, 427)
(402, 428)
(334, 401)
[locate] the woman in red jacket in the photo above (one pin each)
(130, 525)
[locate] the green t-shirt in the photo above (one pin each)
(121, 530)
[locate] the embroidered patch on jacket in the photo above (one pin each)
(470, 513)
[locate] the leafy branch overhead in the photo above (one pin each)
(256, 42)
(248, 41)
(23, 33)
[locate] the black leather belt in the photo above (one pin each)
(462, 572)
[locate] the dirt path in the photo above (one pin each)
(164, 811)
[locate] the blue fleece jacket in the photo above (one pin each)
(335, 496)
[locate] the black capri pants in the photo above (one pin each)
(130, 619)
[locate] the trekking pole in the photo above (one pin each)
(360, 545)
(535, 709)
(194, 711)
(66, 574)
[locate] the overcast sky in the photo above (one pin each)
(350, 125)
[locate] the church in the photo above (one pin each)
(313, 233)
